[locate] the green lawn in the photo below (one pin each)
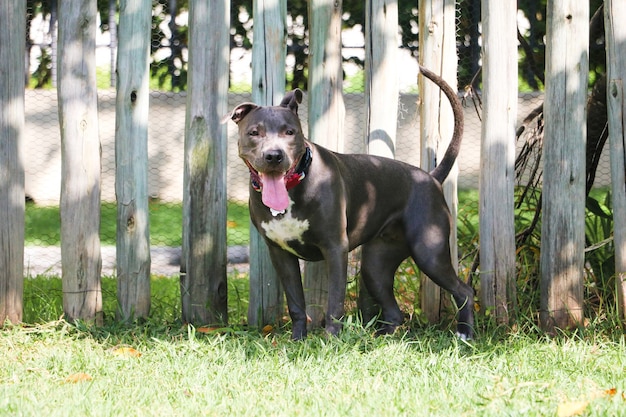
(43, 225)
(161, 367)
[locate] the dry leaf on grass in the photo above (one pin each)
(77, 377)
(127, 352)
(577, 408)
(574, 408)
(205, 329)
(610, 392)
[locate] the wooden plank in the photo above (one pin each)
(381, 100)
(131, 159)
(615, 15)
(204, 289)
(12, 35)
(381, 76)
(326, 119)
(563, 202)
(268, 87)
(437, 45)
(497, 159)
(80, 160)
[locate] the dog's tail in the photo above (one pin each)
(441, 171)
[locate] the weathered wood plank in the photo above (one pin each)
(381, 76)
(268, 87)
(381, 99)
(80, 160)
(437, 47)
(497, 223)
(203, 282)
(12, 35)
(615, 15)
(131, 159)
(563, 202)
(326, 119)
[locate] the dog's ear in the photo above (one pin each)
(239, 112)
(292, 99)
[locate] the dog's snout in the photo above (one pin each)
(274, 157)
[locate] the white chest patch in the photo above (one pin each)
(285, 229)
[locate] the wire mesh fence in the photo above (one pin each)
(167, 118)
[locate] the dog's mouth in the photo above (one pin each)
(274, 186)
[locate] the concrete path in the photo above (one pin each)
(165, 260)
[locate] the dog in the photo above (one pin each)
(314, 204)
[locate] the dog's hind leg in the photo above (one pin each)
(436, 264)
(380, 260)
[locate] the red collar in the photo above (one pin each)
(292, 178)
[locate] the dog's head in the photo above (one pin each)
(291, 101)
(271, 143)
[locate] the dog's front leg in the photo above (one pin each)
(288, 270)
(337, 269)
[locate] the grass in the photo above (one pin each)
(161, 367)
(43, 225)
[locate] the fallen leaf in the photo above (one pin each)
(574, 408)
(205, 329)
(78, 377)
(267, 329)
(128, 352)
(610, 392)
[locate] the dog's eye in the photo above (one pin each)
(253, 132)
(290, 132)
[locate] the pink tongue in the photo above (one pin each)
(274, 193)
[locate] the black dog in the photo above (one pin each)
(314, 204)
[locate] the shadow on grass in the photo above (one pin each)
(44, 312)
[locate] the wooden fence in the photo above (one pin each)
(203, 272)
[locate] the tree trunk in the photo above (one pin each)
(268, 88)
(12, 36)
(131, 159)
(497, 175)
(381, 97)
(80, 160)
(615, 15)
(326, 119)
(437, 45)
(204, 289)
(563, 202)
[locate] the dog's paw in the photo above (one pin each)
(465, 332)
(333, 329)
(386, 329)
(464, 337)
(298, 332)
